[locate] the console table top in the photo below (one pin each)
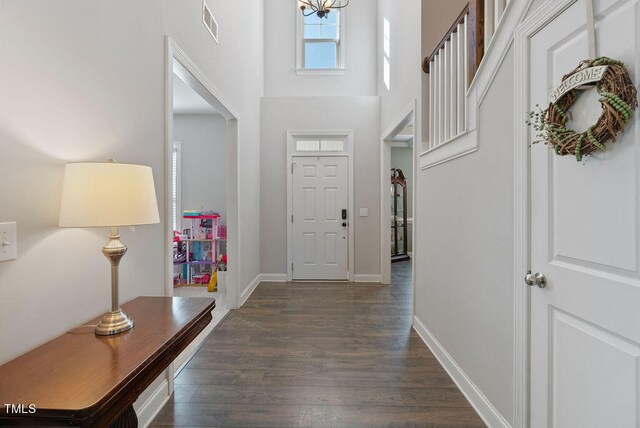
(78, 372)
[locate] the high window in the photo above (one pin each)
(386, 39)
(320, 43)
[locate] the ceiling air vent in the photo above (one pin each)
(209, 21)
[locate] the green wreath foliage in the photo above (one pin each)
(619, 100)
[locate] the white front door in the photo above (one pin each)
(320, 220)
(585, 238)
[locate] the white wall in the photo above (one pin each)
(204, 161)
(87, 83)
(361, 114)
(400, 89)
(464, 291)
(464, 264)
(280, 53)
(346, 101)
(404, 58)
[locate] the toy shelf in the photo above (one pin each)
(196, 250)
(201, 262)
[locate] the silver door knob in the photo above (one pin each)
(536, 279)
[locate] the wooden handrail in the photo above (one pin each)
(475, 37)
(447, 36)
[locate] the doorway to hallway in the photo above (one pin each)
(397, 161)
(202, 172)
(401, 198)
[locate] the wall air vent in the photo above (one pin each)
(209, 21)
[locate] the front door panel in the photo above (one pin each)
(320, 240)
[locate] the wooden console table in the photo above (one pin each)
(80, 379)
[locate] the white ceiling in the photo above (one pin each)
(404, 137)
(187, 101)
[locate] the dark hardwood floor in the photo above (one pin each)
(326, 355)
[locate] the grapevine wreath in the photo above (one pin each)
(618, 97)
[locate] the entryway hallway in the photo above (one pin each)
(325, 354)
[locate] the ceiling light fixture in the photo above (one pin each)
(320, 7)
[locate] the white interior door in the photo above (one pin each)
(320, 234)
(585, 325)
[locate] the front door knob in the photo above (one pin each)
(536, 279)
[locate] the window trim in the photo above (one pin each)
(300, 40)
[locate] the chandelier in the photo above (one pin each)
(320, 7)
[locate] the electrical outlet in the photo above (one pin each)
(8, 242)
(364, 212)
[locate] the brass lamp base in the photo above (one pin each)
(114, 323)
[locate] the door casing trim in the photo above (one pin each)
(408, 115)
(347, 135)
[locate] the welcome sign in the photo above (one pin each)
(582, 77)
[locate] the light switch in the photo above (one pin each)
(8, 242)
(364, 212)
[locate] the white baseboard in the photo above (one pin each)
(282, 277)
(480, 403)
(367, 278)
(250, 289)
(150, 409)
(273, 277)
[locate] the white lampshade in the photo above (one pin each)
(108, 195)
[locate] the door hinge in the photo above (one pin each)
(291, 218)
(292, 167)
(292, 267)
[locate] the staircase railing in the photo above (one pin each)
(453, 64)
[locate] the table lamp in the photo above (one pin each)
(111, 195)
